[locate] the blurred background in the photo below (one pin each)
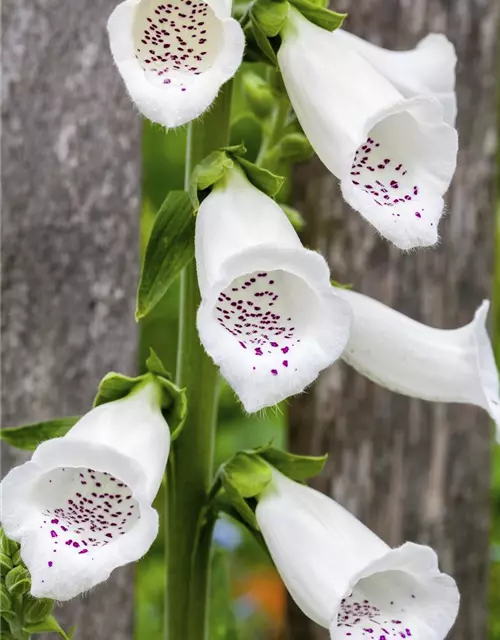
(82, 179)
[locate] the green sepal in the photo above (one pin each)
(259, 47)
(115, 386)
(170, 248)
(18, 581)
(155, 365)
(29, 436)
(295, 467)
(339, 285)
(269, 15)
(294, 216)
(263, 179)
(49, 624)
(37, 609)
(5, 599)
(6, 563)
(258, 93)
(209, 171)
(315, 13)
(247, 474)
(8, 546)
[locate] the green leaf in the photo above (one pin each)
(269, 15)
(299, 468)
(209, 171)
(175, 411)
(155, 365)
(247, 474)
(294, 216)
(29, 436)
(261, 178)
(49, 624)
(170, 248)
(324, 18)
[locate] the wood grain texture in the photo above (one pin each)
(413, 470)
(71, 197)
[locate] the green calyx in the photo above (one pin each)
(173, 402)
(212, 170)
(243, 478)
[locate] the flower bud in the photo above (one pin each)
(7, 546)
(37, 609)
(5, 599)
(18, 581)
(5, 564)
(258, 94)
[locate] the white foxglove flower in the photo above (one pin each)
(268, 316)
(423, 362)
(344, 577)
(82, 505)
(427, 69)
(175, 55)
(394, 156)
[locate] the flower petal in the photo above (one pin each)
(400, 595)
(174, 56)
(79, 511)
(267, 303)
(420, 361)
(427, 69)
(395, 157)
(317, 545)
(82, 506)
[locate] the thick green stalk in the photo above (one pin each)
(191, 469)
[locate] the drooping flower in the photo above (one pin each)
(427, 69)
(267, 308)
(423, 362)
(344, 577)
(174, 56)
(394, 156)
(82, 505)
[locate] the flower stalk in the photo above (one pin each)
(190, 474)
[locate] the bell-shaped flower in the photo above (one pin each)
(344, 577)
(394, 156)
(268, 317)
(427, 69)
(82, 505)
(175, 55)
(416, 360)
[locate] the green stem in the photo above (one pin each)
(190, 472)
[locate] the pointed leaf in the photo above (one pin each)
(170, 249)
(29, 436)
(324, 18)
(264, 180)
(247, 474)
(209, 171)
(155, 365)
(299, 468)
